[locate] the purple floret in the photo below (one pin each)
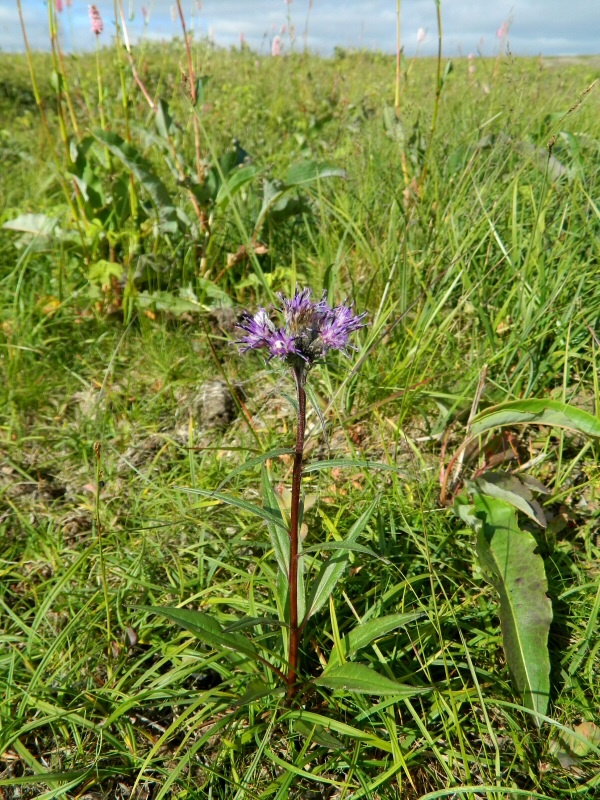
(281, 345)
(340, 323)
(259, 329)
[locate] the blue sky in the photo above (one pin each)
(547, 27)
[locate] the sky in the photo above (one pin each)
(535, 27)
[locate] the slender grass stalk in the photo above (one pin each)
(98, 525)
(438, 89)
(46, 128)
(193, 93)
(398, 60)
(298, 373)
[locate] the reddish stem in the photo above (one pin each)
(294, 535)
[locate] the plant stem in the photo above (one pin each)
(294, 534)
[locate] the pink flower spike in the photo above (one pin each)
(421, 35)
(276, 46)
(59, 6)
(96, 25)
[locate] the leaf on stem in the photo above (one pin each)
(516, 571)
(361, 679)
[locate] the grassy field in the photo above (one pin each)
(132, 239)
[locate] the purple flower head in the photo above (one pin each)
(311, 329)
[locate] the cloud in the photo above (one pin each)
(537, 26)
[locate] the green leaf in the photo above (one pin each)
(252, 462)
(234, 183)
(280, 541)
(537, 412)
(310, 171)
(318, 734)
(133, 160)
(163, 119)
(349, 462)
(362, 679)
(102, 271)
(333, 569)
(278, 528)
(37, 224)
(344, 547)
(206, 629)
(356, 734)
(516, 571)
(509, 488)
(269, 515)
(365, 633)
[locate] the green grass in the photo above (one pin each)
(493, 260)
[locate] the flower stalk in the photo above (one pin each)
(295, 536)
(311, 329)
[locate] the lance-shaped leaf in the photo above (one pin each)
(537, 412)
(280, 541)
(516, 571)
(332, 570)
(206, 629)
(367, 632)
(509, 488)
(362, 679)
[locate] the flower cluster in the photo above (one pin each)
(96, 25)
(310, 330)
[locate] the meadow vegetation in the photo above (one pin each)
(131, 238)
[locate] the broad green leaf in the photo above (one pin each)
(131, 158)
(206, 629)
(37, 224)
(516, 571)
(537, 412)
(367, 632)
(362, 679)
(235, 181)
(267, 514)
(332, 570)
(509, 488)
(310, 171)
